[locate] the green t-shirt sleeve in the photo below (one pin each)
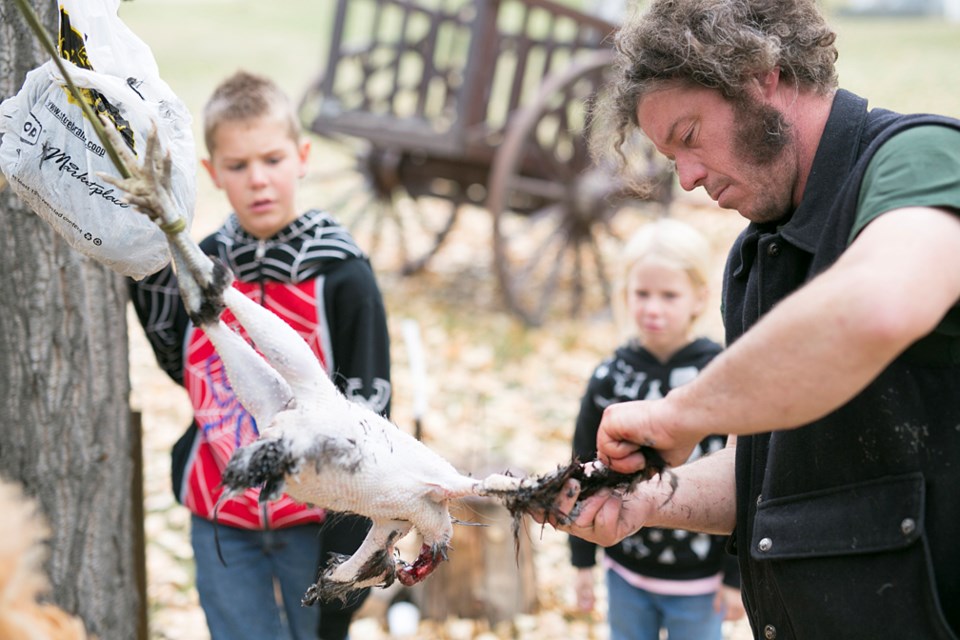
(919, 167)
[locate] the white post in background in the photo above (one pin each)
(418, 372)
(951, 10)
(609, 10)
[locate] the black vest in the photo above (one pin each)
(849, 526)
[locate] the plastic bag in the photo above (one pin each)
(50, 153)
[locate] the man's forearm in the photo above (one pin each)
(704, 497)
(822, 345)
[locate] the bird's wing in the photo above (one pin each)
(291, 370)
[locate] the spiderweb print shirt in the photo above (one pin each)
(224, 423)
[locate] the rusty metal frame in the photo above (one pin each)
(468, 129)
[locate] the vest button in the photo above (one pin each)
(765, 544)
(908, 526)
(773, 250)
(770, 632)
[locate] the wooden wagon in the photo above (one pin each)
(453, 103)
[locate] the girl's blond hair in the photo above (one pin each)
(666, 241)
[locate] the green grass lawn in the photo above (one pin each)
(197, 43)
(904, 64)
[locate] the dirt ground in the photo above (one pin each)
(497, 391)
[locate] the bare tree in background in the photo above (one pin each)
(66, 432)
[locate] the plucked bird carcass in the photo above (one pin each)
(316, 445)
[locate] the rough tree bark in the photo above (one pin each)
(65, 432)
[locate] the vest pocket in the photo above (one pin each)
(850, 561)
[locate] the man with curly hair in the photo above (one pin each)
(841, 304)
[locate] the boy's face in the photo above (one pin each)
(258, 165)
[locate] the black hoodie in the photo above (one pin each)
(633, 373)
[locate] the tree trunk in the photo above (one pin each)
(66, 430)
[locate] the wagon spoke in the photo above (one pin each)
(536, 281)
(435, 237)
(533, 260)
(348, 209)
(578, 276)
(539, 188)
(400, 225)
(549, 288)
(600, 263)
(537, 270)
(548, 164)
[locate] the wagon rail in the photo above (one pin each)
(454, 103)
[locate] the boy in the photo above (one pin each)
(308, 270)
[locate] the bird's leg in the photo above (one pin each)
(205, 284)
(282, 346)
(202, 280)
(150, 190)
(498, 484)
(150, 186)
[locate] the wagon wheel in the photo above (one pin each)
(400, 224)
(552, 209)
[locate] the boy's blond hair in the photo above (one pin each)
(671, 243)
(244, 96)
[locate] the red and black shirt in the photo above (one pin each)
(314, 276)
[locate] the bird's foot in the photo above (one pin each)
(429, 559)
(148, 187)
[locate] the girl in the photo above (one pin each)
(657, 578)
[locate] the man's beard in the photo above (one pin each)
(762, 138)
(762, 132)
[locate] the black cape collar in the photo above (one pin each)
(637, 355)
(833, 163)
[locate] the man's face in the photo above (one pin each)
(724, 147)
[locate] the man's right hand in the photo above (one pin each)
(628, 426)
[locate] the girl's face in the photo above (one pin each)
(663, 303)
(258, 164)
